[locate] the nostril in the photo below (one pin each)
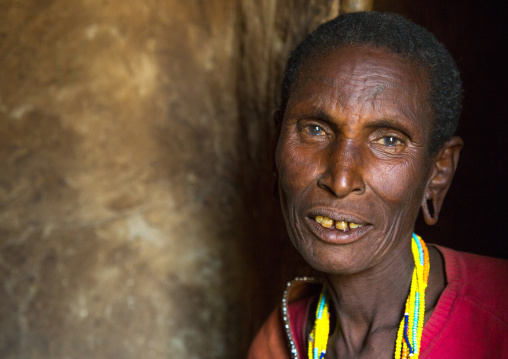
(360, 189)
(342, 180)
(322, 183)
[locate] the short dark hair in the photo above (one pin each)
(400, 36)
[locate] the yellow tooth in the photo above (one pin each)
(354, 225)
(319, 219)
(327, 222)
(342, 225)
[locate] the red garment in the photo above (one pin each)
(470, 319)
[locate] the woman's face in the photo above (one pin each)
(353, 153)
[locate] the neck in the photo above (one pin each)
(373, 299)
(371, 303)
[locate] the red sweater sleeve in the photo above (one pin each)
(270, 342)
(471, 317)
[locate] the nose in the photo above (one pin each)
(343, 167)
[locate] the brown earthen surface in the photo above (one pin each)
(136, 213)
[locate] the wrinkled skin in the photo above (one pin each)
(354, 145)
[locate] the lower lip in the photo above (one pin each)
(336, 236)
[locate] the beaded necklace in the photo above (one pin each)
(409, 335)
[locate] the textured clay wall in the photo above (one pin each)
(136, 213)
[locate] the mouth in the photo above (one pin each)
(341, 225)
(342, 229)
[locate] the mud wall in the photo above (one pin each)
(136, 209)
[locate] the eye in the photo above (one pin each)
(390, 144)
(390, 141)
(315, 130)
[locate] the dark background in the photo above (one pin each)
(474, 214)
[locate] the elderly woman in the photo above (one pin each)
(370, 103)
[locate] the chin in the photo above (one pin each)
(334, 259)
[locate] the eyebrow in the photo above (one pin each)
(313, 111)
(387, 123)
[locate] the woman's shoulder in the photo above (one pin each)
(478, 279)
(269, 342)
(471, 317)
(282, 335)
(475, 269)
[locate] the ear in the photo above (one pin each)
(444, 164)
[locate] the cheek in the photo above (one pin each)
(398, 182)
(297, 165)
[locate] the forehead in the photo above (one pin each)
(370, 77)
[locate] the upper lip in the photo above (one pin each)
(337, 215)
